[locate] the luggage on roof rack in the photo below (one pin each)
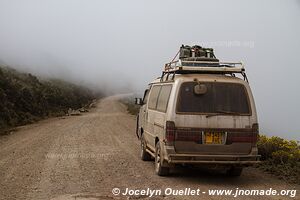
(198, 60)
(196, 52)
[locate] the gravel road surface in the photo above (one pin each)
(86, 156)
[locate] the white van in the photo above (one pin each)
(199, 115)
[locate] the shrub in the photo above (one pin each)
(24, 98)
(281, 157)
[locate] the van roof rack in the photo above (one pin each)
(205, 64)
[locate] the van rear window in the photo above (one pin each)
(217, 97)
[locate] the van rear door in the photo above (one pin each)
(213, 118)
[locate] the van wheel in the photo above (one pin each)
(234, 171)
(145, 156)
(159, 169)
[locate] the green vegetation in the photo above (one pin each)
(280, 157)
(131, 107)
(24, 98)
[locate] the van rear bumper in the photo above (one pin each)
(213, 159)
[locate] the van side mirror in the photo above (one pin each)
(139, 101)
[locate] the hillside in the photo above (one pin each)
(24, 98)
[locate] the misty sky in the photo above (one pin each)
(120, 46)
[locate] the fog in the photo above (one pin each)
(119, 46)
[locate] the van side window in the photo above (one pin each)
(163, 98)
(153, 96)
(146, 94)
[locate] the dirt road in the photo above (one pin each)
(85, 157)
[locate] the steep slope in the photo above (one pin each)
(25, 98)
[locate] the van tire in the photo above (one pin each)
(145, 156)
(234, 171)
(137, 126)
(159, 169)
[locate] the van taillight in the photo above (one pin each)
(244, 137)
(170, 132)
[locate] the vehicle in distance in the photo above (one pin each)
(199, 113)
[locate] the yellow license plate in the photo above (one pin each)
(213, 138)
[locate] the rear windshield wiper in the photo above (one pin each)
(222, 112)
